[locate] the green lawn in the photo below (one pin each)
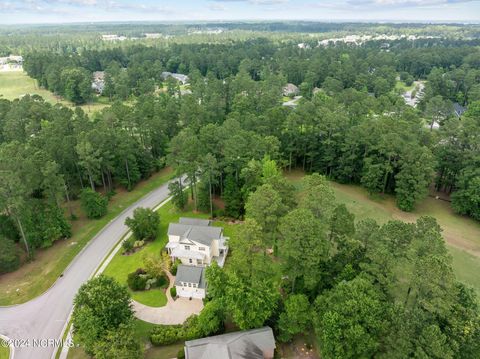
(33, 278)
(4, 350)
(121, 265)
(462, 234)
(400, 85)
(14, 84)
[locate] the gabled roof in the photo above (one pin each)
(194, 221)
(203, 234)
(458, 109)
(190, 274)
(250, 344)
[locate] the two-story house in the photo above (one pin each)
(196, 243)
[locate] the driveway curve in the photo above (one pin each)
(34, 326)
(174, 312)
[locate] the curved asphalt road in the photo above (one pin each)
(30, 324)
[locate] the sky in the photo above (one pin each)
(61, 11)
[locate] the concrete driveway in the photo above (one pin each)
(174, 312)
(34, 326)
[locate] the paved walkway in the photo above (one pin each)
(174, 312)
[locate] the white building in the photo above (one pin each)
(190, 282)
(196, 243)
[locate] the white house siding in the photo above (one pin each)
(189, 292)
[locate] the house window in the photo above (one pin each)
(187, 248)
(199, 261)
(194, 285)
(189, 284)
(201, 248)
(190, 260)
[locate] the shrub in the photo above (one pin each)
(166, 334)
(151, 283)
(175, 265)
(9, 258)
(128, 244)
(144, 224)
(173, 291)
(138, 244)
(94, 204)
(181, 354)
(137, 280)
(162, 281)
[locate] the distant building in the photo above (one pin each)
(153, 35)
(98, 83)
(251, 344)
(184, 79)
(291, 90)
(113, 37)
(458, 109)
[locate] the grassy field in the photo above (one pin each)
(121, 265)
(33, 278)
(4, 350)
(462, 234)
(14, 84)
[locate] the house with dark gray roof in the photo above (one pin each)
(251, 344)
(190, 281)
(458, 109)
(196, 242)
(184, 79)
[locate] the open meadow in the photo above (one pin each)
(15, 84)
(461, 234)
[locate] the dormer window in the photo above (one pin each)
(187, 248)
(201, 248)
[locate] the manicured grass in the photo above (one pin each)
(4, 350)
(14, 84)
(166, 351)
(77, 353)
(121, 265)
(33, 278)
(462, 234)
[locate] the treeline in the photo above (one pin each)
(300, 262)
(51, 154)
(136, 69)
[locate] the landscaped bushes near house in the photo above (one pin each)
(137, 280)
(169, 334)
(175, 265)
(141, 280)
(208, 322)
(173, 291)
(181, 354)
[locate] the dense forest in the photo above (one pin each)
(351, 125)
(299, 261)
